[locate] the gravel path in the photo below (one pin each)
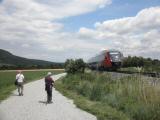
(32, 106)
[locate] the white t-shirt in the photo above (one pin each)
(20, 77)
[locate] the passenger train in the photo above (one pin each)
(106, 60)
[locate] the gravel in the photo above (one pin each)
(32, 106)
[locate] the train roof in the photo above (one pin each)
(110, 50)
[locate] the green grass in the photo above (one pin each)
(129, 98)
(7, 79)
(101, 110)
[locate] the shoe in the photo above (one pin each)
(49, 102)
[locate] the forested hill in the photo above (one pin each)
(7, 59)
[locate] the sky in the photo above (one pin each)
(63, 29)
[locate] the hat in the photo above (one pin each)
(49, 73)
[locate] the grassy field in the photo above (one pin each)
(7, 79)
(129, 98)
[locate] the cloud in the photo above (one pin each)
(138, 35)
(65, 8)
(29, 28)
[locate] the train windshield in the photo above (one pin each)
(115, 56)
(114, 53)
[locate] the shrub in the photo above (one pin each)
(74, 66)
(96, 92)
(84, 88)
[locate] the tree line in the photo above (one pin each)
(147, 63)
(78, 65)
(14, 67)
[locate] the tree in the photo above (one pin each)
(74, 66)
(80, 65)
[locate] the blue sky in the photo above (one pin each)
(58, 30)
(118, 9)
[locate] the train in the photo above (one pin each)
(106, 60)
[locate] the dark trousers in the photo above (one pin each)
(49, 95)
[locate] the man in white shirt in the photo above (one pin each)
(20, 81)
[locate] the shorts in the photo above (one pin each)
(20, 84)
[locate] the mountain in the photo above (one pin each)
(7, 58)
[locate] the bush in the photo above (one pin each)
(96, 92)
(84, 88)
(75, 66)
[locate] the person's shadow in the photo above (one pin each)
(13, 94)
(43, 102)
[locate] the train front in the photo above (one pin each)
(116, 58)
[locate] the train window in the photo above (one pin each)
(114, 53)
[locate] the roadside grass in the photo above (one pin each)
(7, 79)
(128, 98)
(101, 110)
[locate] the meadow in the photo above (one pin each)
(7, 79)
(128, 98)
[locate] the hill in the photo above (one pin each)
(7, 59)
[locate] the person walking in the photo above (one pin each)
(20, 82)
(48, 86)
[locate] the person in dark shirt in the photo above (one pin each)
(48, 86)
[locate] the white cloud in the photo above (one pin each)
(25, 45)
(65, 8)
(29, 27)
(137, 35)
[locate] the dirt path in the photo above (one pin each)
(32, 105)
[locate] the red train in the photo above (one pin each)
(106, 60)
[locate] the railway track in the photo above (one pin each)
(151, 78)
(123, 73)
(148, 74)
